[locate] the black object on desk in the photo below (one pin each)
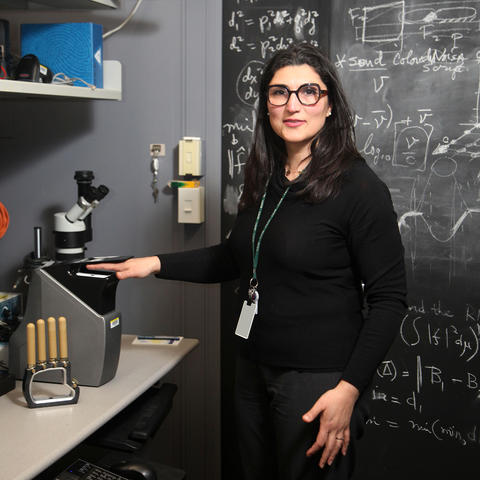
(7, 382)
(83, 470)
(125, 436)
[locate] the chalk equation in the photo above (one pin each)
(438, 327)
(265, 32)
(248, 81)
(432, 375)
(435, 362)
(436, 429)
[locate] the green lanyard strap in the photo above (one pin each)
(256, 248)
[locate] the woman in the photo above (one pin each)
(324, 239)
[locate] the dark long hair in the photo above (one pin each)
(333, 148)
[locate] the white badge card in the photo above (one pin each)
(245, 320)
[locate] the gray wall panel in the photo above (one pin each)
(171, 60)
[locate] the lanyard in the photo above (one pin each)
(256, 248)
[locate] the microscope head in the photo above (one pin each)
(73, 229)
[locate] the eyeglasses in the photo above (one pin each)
(308, 94)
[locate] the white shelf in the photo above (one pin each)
(60, 4)
(112, 86)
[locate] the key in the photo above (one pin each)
(154, 184)
(155, 191)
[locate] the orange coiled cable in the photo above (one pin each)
(4, 219)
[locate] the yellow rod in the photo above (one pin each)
(62, 333)
(41, 341)
(52, 339)
(31, 345)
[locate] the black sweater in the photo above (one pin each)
(313, 261)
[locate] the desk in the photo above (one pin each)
(32, 439)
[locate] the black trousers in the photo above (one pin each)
(273, 438)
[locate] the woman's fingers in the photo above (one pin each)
(139, 267)
(332, 447)
(113, 267)
(346, 441)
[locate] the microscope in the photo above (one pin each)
(64, 287)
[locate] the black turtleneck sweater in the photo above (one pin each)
(314, 259)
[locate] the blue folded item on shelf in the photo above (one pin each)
(73, 49)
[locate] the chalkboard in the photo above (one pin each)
(411, 70)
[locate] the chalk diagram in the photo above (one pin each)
(433, 171)
(442, 181)
(385, 27)
(442, 175)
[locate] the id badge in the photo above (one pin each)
(245, 320)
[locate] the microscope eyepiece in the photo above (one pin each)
(83, 176)
(102, 192)
(95, 193)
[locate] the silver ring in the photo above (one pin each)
(339, 438)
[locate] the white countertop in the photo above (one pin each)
(32, 439)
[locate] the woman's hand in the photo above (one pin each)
(132, 268)
(335, 409)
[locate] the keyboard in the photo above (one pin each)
(82, 470)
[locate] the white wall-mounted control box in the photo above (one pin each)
(190, 156)
(191, 205)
